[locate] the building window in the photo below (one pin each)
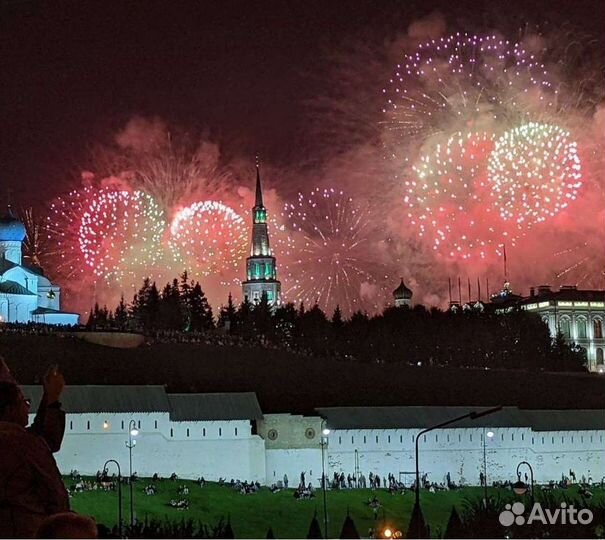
(376, 439)
(401, 439)
(459, 437)
(122, 424)
(71, 425)
(581, 326)
(203, 432)
(139, 424)
(565, 327)
(220, 432)
(339, 440)
(352, 440)
(187, 432)
(522, 436)
(424, 438)
(552, 440)
(436, 438)
(471, 438)
(364, 440)
(236, 432)
(542, 440)
(599, 356)
(389, 438)
(448, 438)
(598, 328)
(171, 432)
(155, 424)
(512, 437)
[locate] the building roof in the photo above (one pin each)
(11, 229)
(220, 406)
(107, 399)
(48, 311)
(423, 417)
(12, 287)
(148, 399)
(402, 292)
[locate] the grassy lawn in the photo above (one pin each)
(252, 515)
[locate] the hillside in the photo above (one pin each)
(286, 382)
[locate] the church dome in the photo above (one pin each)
(11, 229)
(402, 292)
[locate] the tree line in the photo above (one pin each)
(417, 336)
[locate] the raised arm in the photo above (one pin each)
(50, 418)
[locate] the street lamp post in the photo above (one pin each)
(489, 435)
(473, 415)
(119, 491)
(324, 442)
(130, 444)
(520, 487)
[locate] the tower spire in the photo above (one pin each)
(259, 190)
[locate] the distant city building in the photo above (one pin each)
(26, 294)
(402, 295)
(578, 314)
(261, 270)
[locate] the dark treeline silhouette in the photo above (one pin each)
(416, 336)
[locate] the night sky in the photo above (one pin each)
(74, 72)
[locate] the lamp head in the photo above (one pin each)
(519, 487)
(490, 434)
(134, 432)
(325, 432)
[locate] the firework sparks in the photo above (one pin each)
(209, 237)
(120, 232)
(463, 81)
(447, 198)
(331, 248)
(535, 173)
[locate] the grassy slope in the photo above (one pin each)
(288, 382)
(252, 515)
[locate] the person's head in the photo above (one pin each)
(14, 406)
(67, 525)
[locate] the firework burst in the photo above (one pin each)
(464, 81)
(535, 172)
(120, 233)
(209, 237)
(447, 198)
(330, 244)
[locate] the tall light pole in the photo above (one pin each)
(489, 435)
(473, 415)
(119, 491)
(325, 432)
(130, 444)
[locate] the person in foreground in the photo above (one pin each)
(31, 488)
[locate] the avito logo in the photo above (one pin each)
(514, 514)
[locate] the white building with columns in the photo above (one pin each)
(227, 436)
(26, 294)
(578, 314)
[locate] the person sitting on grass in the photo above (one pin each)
(31, 487)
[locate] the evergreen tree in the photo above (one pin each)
(121, 314)
(418, 527)
(245, 325)
(349, 530)
(314, 529)
(454, 528)
(261, 316)
(337, 322)
(227, 315)
(201, 312)
(170, 309)
(185, 295)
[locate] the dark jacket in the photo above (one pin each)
(31, 487)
